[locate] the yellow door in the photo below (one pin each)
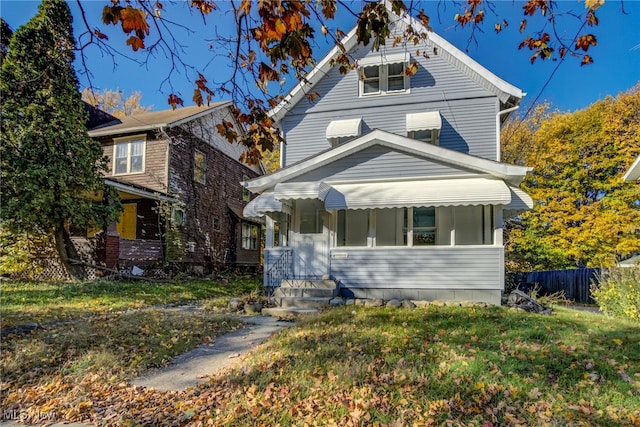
(126, 226)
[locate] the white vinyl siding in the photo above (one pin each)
(454, 267)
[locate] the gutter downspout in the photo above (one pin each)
(500, 113)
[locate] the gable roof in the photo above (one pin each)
(508, 94)
(510, 173)
(154, 120)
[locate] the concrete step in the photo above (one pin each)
(302, 302)
(306, 283)
(287, 312)
(305, 292)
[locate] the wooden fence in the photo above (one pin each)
(575, 284)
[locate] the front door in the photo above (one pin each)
(311, 247)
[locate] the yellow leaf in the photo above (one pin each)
(617, 341)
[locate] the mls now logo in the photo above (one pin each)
(36, 416)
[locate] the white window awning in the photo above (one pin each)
(344, 128)
(437, 192)
(379, 59)
(264, 203)
(301, 190)
(520, 201)
(424, 121)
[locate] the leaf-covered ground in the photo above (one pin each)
(349, 366)
(23, 302)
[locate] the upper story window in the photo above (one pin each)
(200, 167)
(129, 156)
(341, 131)
(424, 127)
(382, 76)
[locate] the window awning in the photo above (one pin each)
(301, 190)
(449, 192)
(344, 128)
(377, 59)
(424, 121)
(520, 201)
(264, 203)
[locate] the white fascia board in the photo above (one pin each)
(459, 59)
(318, 72)
(464, 62)
(510, 173)
(633, 173)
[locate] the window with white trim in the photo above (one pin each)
(250, 236)
(384, 78)
(129, 157)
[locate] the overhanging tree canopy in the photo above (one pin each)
(269, 40)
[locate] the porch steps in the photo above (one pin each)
(304, 293)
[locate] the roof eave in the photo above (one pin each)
(510, 173)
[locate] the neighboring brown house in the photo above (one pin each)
(179, 182)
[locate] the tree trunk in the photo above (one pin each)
(67, 251)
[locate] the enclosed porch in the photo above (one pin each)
(426, 239)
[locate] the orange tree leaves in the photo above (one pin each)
(132, 20)
(273, 39)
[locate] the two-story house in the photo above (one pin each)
(391, 184)
(180, 185)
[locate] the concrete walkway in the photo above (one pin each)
(193, 367)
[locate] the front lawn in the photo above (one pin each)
(23, 302)
(347, 366)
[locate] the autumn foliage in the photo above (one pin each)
(274, 41)
(584, 214)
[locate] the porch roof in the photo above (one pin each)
(264, 203)
(394, 194)
(433, 192)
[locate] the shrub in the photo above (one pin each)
(617, 292)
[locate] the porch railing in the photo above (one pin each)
(281, 270)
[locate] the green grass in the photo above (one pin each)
(353, 365)
(41, 302)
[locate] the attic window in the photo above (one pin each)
(379, 76)
(424, 127)
(341, 131)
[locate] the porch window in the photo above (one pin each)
(129, 157)
(200, 167)
(423, 230)
(249, 236)
(310, 216)
(405, 227)
(353, 227)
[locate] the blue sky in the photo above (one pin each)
(616, 67)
